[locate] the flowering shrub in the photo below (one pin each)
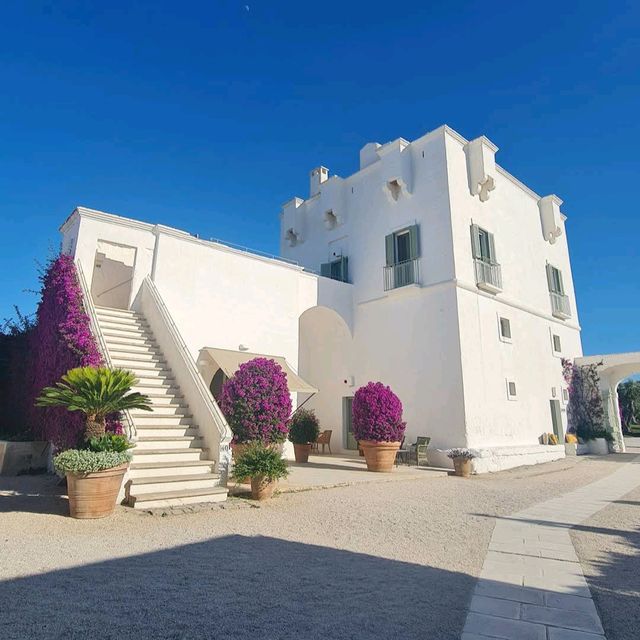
(460, 453)
(377, 414)
(304, 427)
(61, 340)
(256, 402)
(585, 411)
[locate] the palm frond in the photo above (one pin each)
(96, 391)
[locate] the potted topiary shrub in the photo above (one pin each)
(461, 461)
(264, 465)
(257, 404)
(95, 472)
(378, 425)
(304, 429)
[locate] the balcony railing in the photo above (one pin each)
(560, 305)
(401, 274)
(488, 276)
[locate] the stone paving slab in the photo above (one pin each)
(531, 586)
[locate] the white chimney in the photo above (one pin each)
(316, 178)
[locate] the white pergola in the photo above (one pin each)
(614, 369)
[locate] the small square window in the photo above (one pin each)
(512, 391)
(557, 344)
(505, 329)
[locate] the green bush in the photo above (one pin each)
(304, 427)
(110, 442)
(84, 461)
(586, 431)
(260, 460)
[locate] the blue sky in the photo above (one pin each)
(209, 115)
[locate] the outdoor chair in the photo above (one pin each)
(402, 455)
(420, 450)
(324, 439)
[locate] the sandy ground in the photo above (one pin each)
(391, 559)
(608, 545)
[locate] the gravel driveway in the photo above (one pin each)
(390, 559)
(608, 545)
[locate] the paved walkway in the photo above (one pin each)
(531, 586)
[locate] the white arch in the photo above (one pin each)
(325, 359)
(613, 369)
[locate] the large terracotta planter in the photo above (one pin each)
(462, 467)
(301, 452)
(380, 456)
(262, 488)
(94, 495)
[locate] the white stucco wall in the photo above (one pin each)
(511, 213)
(438, 345)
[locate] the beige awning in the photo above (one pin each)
(229, 361)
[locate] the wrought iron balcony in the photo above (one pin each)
(560, 305)
(401, 274)
(488, 276)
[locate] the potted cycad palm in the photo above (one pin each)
(95, 471)
(304, 429)
(264, 465)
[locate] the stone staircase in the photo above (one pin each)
(170, 465)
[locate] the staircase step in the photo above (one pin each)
(157, 443)
(133, 349)
(178, 498)
(154, 419)
(155, 469)
(125, 362)
(115, 342)
(111, 311)
(159, 384)
(168, 455)
(122, 333)
(142, 486)
(127, 324)
(164, 432)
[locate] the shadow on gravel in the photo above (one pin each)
(33, 494)
(239, 587)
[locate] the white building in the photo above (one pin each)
(443, 277)
(462, 294)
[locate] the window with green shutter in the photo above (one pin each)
(402, 245)
(336, 269)
(554, 280)
(483, 245)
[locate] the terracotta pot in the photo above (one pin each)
(462, 467)
(261, 488)
(94, 495)
(301, 452)
(380, 456)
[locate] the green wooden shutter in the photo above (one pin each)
(492, 250)
(390, 250)
(344, 269)
(560, 283)
(414, 241)
(325, 269)
(475, 242)
(550, 278)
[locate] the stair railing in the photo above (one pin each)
(94, 323)
(205, 409)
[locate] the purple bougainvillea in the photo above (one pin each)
(256, 402)
(61, 340)
(377, 414)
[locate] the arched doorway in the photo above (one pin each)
(217, 382)
(325, 360)
(613, 369)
